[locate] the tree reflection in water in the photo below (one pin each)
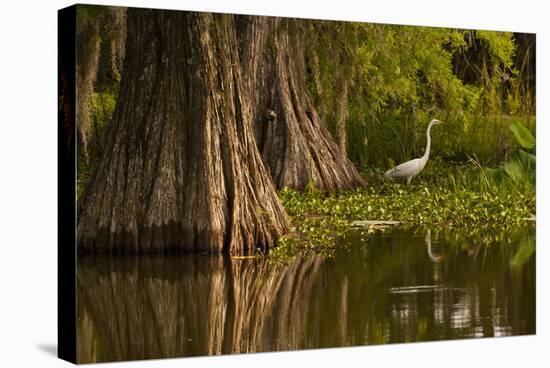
(406, 285)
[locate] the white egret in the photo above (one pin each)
(408, 170)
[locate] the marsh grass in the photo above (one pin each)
(395, 138)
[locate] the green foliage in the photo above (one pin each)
(102, 106)
(402, 76)
(500, 45)
(445, 196)
(518, 171)
(525, 250)
(520, 168)
(522, 135)
(96, 103)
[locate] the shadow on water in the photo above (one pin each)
(398, 286)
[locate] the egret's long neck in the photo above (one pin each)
(428, 143)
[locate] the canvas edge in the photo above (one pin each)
(66, 188)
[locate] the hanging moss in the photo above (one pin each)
(87, 57)
(101, 33)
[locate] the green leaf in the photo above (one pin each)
(525, 250)
(514, 169)
(523, 135)
(528, 160)
(520, 165)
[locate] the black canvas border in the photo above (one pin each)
(66, 185)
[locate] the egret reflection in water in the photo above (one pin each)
(397, 286)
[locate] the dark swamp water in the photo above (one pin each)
(396, 286)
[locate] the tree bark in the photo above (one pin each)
(181, 170)
(294, 142)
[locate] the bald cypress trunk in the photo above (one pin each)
(294, 142)
(181, 170)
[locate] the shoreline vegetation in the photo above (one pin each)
(458, 197)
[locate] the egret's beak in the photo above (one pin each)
(441, 122)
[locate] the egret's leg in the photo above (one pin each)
(409, 180)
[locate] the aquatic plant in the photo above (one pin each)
(446, 196)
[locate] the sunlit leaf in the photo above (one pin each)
(514, 169)
(523, 135)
